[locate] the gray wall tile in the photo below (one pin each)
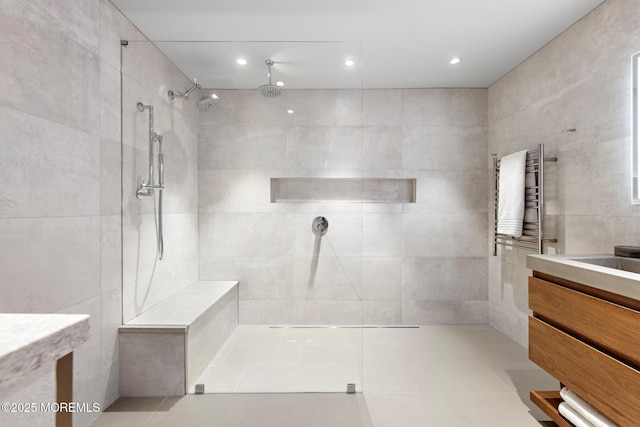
(269, 247)
(579, 80)
(39, 155)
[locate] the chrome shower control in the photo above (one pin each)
(319, 226)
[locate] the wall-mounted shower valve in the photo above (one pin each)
(144, 190)
(319, 226)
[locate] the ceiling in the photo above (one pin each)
(395, 43)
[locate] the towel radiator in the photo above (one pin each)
(532, 231)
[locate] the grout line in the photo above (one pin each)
(154, 411)
(235, 387)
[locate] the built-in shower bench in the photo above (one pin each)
(165, 349)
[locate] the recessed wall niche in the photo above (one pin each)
(354, 190)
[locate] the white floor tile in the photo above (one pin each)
(280, 379)
(435, 375)
(263, 355)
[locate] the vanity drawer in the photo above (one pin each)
(615, 329)
(609, 385)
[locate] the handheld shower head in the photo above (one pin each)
(269, 90)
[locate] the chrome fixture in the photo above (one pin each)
(319, 226)
(269, 90)
(208, 103)
(185, 95)
(146, 189)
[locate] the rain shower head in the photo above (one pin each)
(208, 103)
(269, 89)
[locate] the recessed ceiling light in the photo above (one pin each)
(349, 62)
(241, 61)
(455, 60)
(290, 111)
(279, 83)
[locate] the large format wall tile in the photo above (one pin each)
(444, 147)
(457, 191)
(76, 19)
(114, 27)
(60, 205)
(52, 76)
(39, 155)
(110, 253)
(228, 234)
(147, 280)
(382, 278)
(444, 107)
(288, 275)
(324, 108)
(445, 279)
(579, 82)
(49, 263)
(382, 147)
(382, 107)
(110, 113)
(445, 235)
(261, 277)
(237, 190)
(246, 147)
(110, 177)
(444, 312)
(324, 147)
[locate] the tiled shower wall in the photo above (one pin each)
(147, 75)
(582, 81)
(60, 174)
(379, 263)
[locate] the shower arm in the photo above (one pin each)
(185, 95)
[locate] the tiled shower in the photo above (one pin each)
(391, 264)
(580, 80)
(422, 262)
(380, 263)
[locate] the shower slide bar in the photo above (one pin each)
(533, 228)
(146, 189)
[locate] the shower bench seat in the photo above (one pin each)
(164, 350)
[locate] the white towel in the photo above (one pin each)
(511, 194)
(572, 415)
(588, 412)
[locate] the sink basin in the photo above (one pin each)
(631, 265)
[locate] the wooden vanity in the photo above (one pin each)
(588, 338)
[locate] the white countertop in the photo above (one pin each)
(607, 279)
(30, 341)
